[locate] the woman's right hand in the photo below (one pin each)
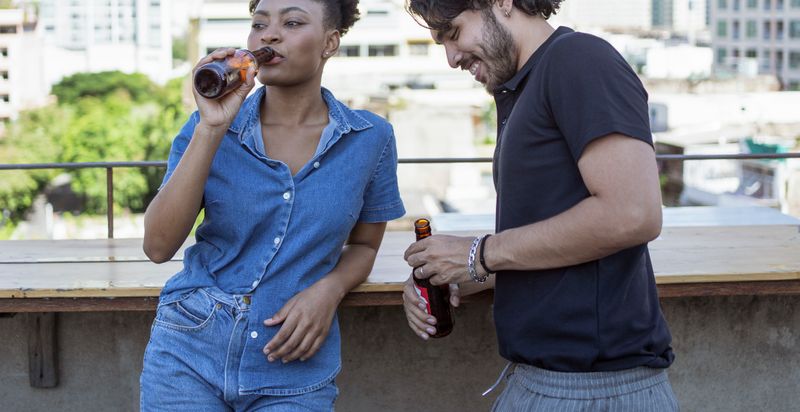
(219, 113)
(423, 324)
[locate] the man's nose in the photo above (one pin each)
(453, 56)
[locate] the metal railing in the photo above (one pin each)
(110, 166)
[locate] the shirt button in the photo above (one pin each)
(255, 283)
(316, 165)
(276, 240)
(253, 334)
(504, 121)
(287, 196)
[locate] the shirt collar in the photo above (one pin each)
(346, 118)
(515, 81)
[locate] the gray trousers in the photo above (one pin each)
(533, 389)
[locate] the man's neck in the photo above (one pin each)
(529, 34)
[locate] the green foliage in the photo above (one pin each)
(103, 85)
(108, 116)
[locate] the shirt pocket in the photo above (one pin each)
(191, 312)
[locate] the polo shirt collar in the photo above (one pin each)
(515, 81)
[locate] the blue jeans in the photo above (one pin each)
(187, 367)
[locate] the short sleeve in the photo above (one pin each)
(382, 201)
(179, 145)
(593, 92)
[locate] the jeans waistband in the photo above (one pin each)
(239, 302)
(587, 385)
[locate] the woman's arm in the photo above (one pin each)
(170, 216)
(307, 317)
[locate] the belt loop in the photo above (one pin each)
(503, 374)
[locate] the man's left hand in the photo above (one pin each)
(441, 258)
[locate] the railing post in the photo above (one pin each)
(110, 201)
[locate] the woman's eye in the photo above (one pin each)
(293, 23)
(258, 26)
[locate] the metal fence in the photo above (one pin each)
(110, 166)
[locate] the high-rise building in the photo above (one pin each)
(99, 35)
(10, 64)
(758, 37)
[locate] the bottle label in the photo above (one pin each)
(423, 295)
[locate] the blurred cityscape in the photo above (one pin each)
(723, 77)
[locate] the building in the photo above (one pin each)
(758, 37)
(101, 35)
(11, 66)
(617, 15)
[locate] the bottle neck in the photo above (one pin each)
(263, 55)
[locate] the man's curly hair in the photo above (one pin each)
(437, 14)
(339, 14)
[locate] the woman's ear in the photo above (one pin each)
(331, 44)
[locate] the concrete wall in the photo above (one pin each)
(733, 354)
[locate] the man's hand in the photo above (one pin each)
(423, 324)
(306, 319)
(442, 259)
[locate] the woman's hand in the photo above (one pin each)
(219, 113)
(306, 319)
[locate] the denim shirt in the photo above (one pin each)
(269, 234)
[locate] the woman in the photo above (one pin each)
(296, 189)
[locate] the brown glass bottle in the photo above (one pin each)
(437, 298)
(220, 77)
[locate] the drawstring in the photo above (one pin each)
(499, 378)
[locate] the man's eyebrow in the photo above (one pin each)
(282, 11)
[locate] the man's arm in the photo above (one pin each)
(623, 210)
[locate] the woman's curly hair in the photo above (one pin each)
(437, 14)
(339, 14)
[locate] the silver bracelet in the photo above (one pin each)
(473, 271)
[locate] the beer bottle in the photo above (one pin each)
(436, 298)
(220, 77)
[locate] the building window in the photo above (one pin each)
(736, 29)
(794, 86)
(736, 4)
(794, 60)
(418, 48)
(382, 50)
(794, 29)
(795, 4)
(722, 28)
(4, 98)
(767, 31)
(349, 51)
(3, 52)
(752, 29)
(4, 75)
(8, 29)
(722, 56)
(752, 4)
(722, 4)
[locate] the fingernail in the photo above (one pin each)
(266, 351)
(284, 361)
(432, 321)
(431, 330)
(270, 358)
(424, 336)
(422, 306)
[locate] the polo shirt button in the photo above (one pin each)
(255, 283)
(253, 334)
(504, 120)
(287, 196)
(276, 240)
(316, 165)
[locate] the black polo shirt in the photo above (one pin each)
(602, 315)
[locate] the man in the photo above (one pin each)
(578, 198)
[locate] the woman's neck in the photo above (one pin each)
(294, 106)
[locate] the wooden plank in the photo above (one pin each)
(680, 255)
(42, 350)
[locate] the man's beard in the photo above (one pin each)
(499, 52)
